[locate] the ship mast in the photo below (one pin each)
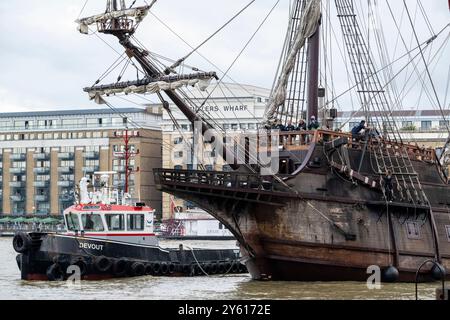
(313, 73)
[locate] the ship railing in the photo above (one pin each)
(225, 180)
(301, 140)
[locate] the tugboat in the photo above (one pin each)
(109, 236)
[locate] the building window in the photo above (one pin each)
(413, 230)
(178, 154)
(426, 125)
(178, 140)
(444, 124)
(178, 167)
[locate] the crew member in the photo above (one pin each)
(388, 186)
(313, 124)
(356, 131)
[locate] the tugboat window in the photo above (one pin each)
(115, 222)
(448, 232)
(92, 222)
(135, 222)
(72, 222)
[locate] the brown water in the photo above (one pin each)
(195, 288)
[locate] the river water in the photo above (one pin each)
(193, 288)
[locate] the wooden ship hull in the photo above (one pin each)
(333, 226)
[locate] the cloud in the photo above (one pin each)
(46, 62)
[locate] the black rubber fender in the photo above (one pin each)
(242, 268)
(55, 273)
(164, 268)
(148, 269)
(172, 268)
(207, 267)
(80, 263)
(186, 269)
(137, 269)
(221, 268)
(214, 268)
(235, 267)
(120, 267)
(21, 242)
(102, 263)
(228, 267)
(156, 268)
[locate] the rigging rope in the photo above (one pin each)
(177, 63)
(427, 69)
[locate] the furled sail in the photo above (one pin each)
(138, 13)
(308, 25)
(201, 80)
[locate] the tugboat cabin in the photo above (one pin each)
(102, 214)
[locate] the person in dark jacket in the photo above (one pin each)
(301, 125)
(388, 186)
(313, 124)
(356, 131)
(290, 126)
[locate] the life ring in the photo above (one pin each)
(80, 263)
(102, 263)
(156, 268)
(137, 269)
(120, 267)
(19, 261)
(148, 269)
(55, 273)
(21, 242)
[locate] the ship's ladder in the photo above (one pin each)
(395, 158)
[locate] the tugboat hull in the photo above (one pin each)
(56, 257)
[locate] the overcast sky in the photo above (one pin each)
(45, 62)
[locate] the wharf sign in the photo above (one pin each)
(228, 111)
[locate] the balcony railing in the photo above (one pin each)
(91, 155)
(17, 184)
(18, 170)
(41, 156)
(66, 156)
(17, 198)
(66, 198)
(18, 157)
(41, 170)
(65, 169)
(65, 184)
(41, 184)
(41, 198)
(90, 169)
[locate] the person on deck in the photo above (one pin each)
(301, 126)
(290, 126)
(388, 186)
(357, 130)
(313, 124)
